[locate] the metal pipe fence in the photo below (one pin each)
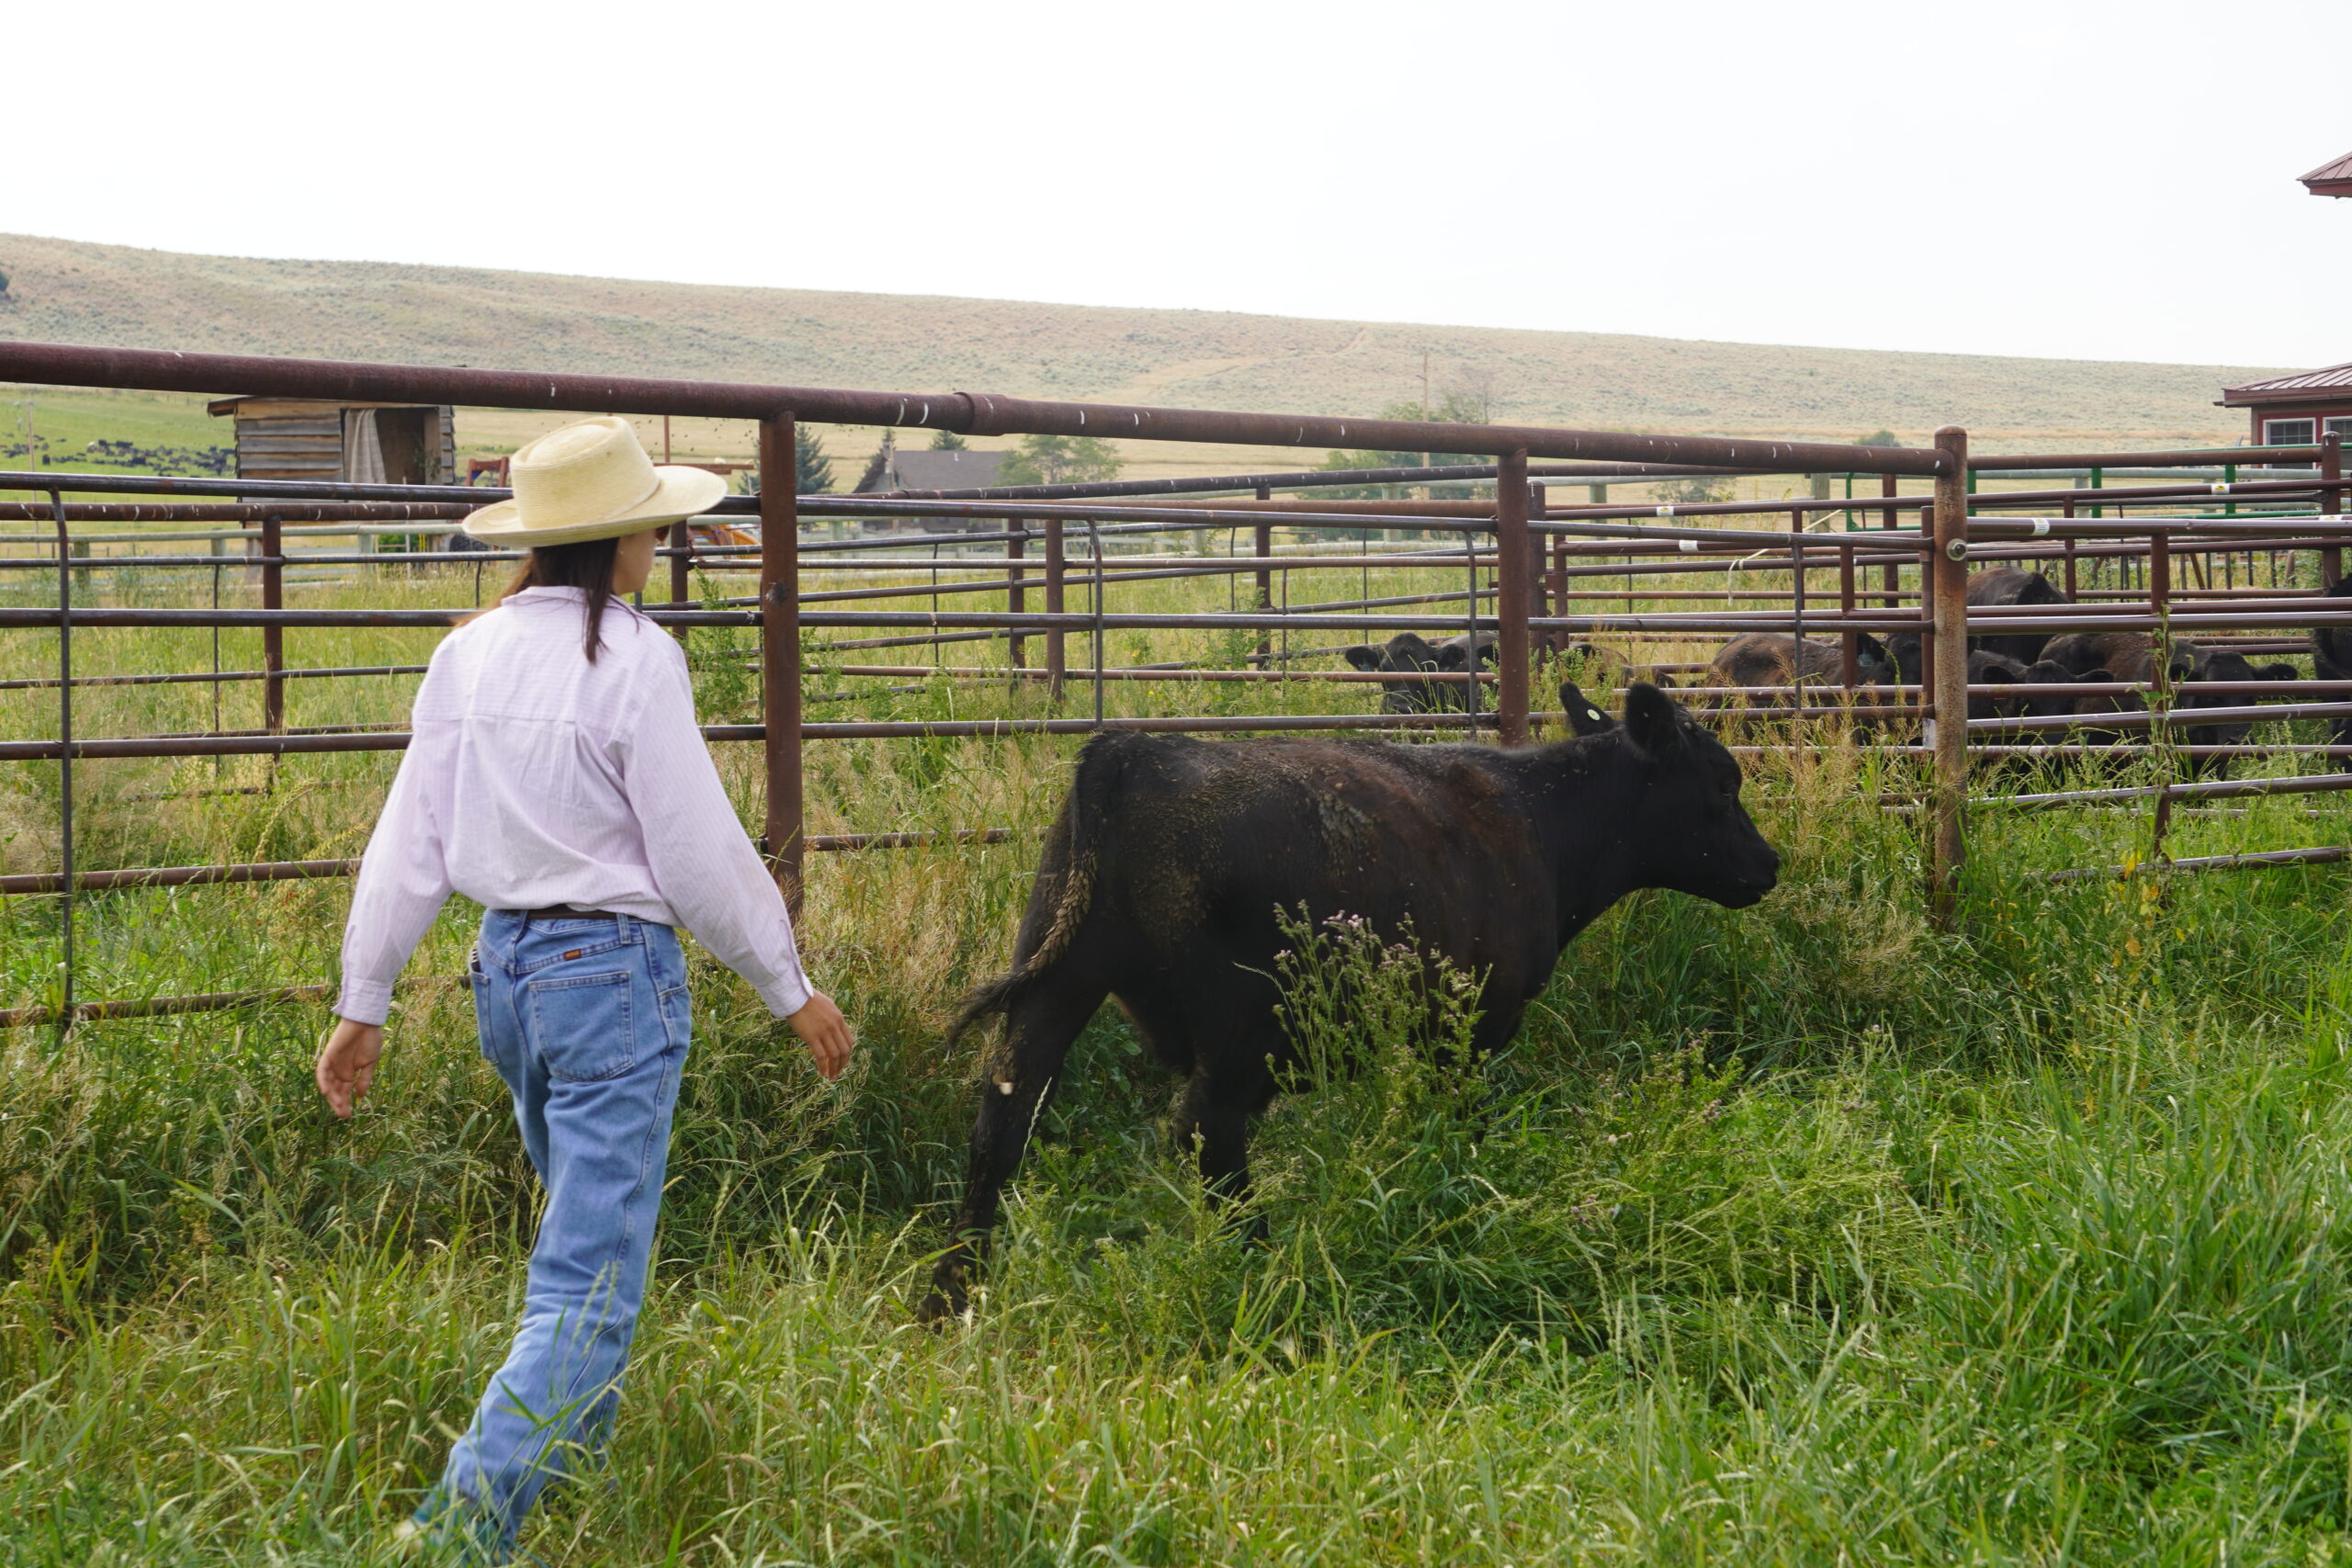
(1519, 554)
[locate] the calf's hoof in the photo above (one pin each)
(945, 1301)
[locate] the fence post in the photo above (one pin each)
(65, 765)
(2331, 466)
(1849, 644)
(1016, 597)
(1560, 639)
(682, 550)
(1890, 575)
(1539, 599)
(1511, 574)
(273, 637)
(783, 827)
(2071, 592)
(1796, 597)
(1056, 647)
(2160, 668)
(1261, 540)
(1950, 691)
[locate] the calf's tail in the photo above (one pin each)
(1101, 767)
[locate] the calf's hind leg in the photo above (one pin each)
(1216, 1125)
(1038, 1030)
(1230, 1084)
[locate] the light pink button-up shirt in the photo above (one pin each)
(536, 778)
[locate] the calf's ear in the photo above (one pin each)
(1583, 716)
(1651, 721)
(1363, 658)
(2278, 672)
(1489, 652)
(1450, 656)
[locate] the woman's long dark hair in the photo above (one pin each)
(587, 566)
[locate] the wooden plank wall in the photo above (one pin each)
(290, 446)
(284, 439)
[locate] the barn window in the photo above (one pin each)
(2340, 425)
(2287, 433)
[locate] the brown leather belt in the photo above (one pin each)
(565, 912)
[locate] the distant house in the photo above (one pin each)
(2296, 410)
(891, 471)
(900, 470)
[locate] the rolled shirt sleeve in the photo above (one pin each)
(701, 860)
(404, 880)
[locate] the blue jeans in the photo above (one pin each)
(587, 1022)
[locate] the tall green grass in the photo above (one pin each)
(1803, 1234)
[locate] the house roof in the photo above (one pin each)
(2331, 179)
(938, 470)
(2300, 387)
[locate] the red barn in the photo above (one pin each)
(2295, 410)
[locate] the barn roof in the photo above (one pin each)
(2296, 388)
(2331, 179)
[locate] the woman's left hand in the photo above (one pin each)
(347, 1063)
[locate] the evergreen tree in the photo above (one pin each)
(813, 471)
(948, 441)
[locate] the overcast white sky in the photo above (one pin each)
(2069, 177)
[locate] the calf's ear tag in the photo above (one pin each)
(1595, 715)
(1004, 1086)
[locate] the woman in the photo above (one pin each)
(556, 778)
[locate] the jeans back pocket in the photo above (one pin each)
(585, 1026)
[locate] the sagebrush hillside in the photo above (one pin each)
(62, 291)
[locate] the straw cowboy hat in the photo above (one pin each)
(590, 480)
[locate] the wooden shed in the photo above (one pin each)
(291, 438)
(2293, 411)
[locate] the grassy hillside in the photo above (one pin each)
(83, 293)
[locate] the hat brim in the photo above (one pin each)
(679, 494)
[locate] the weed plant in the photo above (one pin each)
(1802, 1234)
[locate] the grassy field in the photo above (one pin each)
(66, 291)
(1800, 1235)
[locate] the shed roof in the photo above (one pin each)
(2300, 387)
(268, 405)
(2331, 179)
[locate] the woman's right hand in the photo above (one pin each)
(825, 1031)
(346, 1064)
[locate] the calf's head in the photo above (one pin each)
(1686, 826)
(1411, 657)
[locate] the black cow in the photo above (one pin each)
(2132, 656)
(1776, 659)
(2332, 661)
(1412, 658)
(1999, 585)
(1164, 876)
